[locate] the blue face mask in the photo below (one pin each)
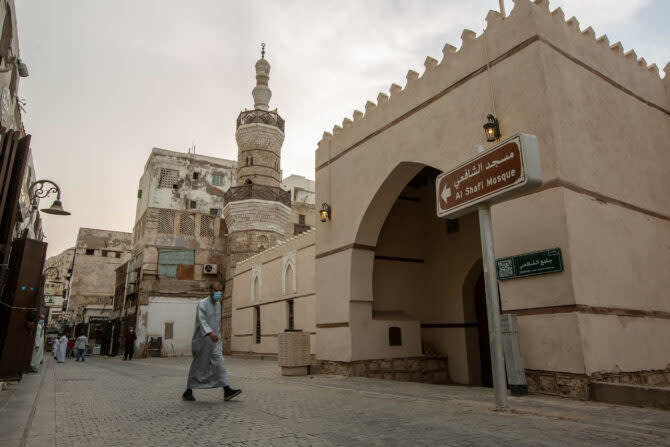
(216, 296)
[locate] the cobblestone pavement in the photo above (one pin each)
(109, 402)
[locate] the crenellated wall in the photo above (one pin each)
(602, 118)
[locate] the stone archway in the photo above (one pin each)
(408, 271)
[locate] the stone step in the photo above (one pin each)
(628, 394)
(412, 369)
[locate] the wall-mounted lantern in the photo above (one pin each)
(325, 212)
(492, 128)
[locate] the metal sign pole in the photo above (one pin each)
(492, 302)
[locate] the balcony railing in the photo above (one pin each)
(262, 117)
(261, 192)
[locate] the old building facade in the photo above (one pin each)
(90, 295)
(58, 270)
(196, 217)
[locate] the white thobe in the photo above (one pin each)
(62, 348)
(54, 347)
(207, 368)
(38, 348)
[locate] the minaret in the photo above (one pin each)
(260, 134)
(256, 210)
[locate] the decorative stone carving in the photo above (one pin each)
(255, 214)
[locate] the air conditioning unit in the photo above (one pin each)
(132, 277)
(209, 269)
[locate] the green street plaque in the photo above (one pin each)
(530, 264)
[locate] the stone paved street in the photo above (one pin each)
(109, 402)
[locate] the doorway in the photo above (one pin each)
(425, 272)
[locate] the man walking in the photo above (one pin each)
(129, 345)
(80, 346)
(38, 347)
(62, 348)
(207, 368)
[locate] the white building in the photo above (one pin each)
(179, 181)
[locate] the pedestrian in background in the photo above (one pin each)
(38, 347)
(62, 348)
(54, 346)
(70, 348)
(207, 367)
(130, 344)
(80, 346)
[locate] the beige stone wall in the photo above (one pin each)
(311, 217)
(603, 198)
(63, 263)
(275, 289)
(93, 276)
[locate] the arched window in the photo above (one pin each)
(288, 280)
(248, 182)
(263, 242)
(257, 288)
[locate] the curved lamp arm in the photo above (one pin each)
(44, 188)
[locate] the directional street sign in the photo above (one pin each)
(508, 168)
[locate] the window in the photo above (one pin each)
(168, 178)
(289, 286)
(192, 204)
(176, 263)
(90, 251)
(139, 193)
(206, 226)
(186, 225)
(215, 211)
(196, 175)
(301, 219)
(166, 221)
(395, 336)
(169, 331)
(117, 254)
(217, 180)
(453, 226)
(258, 324)
(252, 161)
(263, 242)
(291, 318)
(105, 253)
(247, 161)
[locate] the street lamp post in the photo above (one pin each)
(41, 189)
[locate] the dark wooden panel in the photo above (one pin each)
(23, 295)
(185, 272)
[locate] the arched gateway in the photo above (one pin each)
(397, 288)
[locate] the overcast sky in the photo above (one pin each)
(109, 80)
